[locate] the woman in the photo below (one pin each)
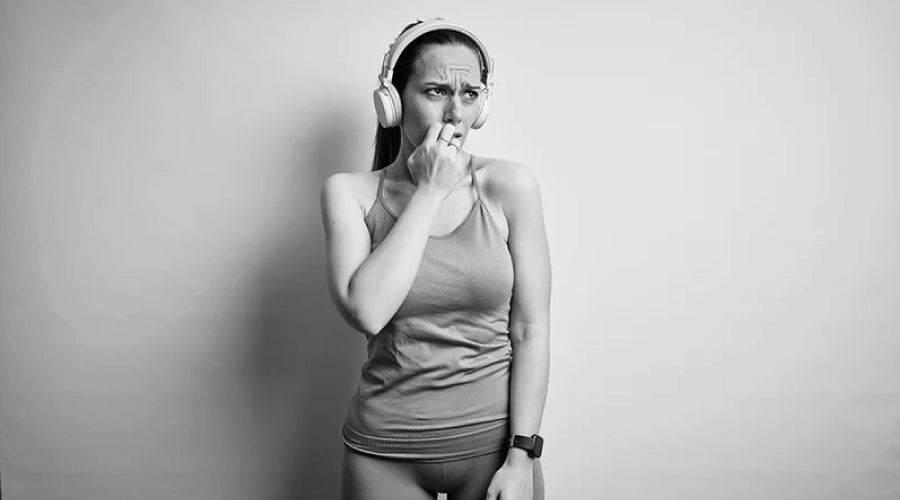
(440, 258)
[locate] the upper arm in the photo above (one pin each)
(520, 198)
(347, 240)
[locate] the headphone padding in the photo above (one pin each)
(387, 106)
(396, 105)
(381, 105)
(482, 113)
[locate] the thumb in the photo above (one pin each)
(492, 493)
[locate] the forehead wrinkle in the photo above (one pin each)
(432, 65)
(450, 75)
(452, 72)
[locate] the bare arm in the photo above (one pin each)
(529, 325)
(368, 286)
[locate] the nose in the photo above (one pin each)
(453, 110)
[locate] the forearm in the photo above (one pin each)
(530, 373)
(384, 279)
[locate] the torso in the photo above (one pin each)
(455, 208)
(435, 386)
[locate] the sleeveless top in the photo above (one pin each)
(435, 386)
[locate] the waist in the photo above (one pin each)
(432, 446)
(421, 417)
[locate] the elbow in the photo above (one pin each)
(367, 316)
(362, 320)
(359, 311)
(369, 326)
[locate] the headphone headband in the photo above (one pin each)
(408, 36)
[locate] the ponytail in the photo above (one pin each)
(387, 146)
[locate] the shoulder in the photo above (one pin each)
(350, 187)
(508, 182)
(352, 181)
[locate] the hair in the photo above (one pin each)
(387, 140)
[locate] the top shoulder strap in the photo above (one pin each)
(474, 178)
(380, 184)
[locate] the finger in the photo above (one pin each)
(446, 132)
(455, 143)
(431, 134)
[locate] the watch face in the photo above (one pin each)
(538, 446)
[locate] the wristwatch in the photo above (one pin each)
(533, 444)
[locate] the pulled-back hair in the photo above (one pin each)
(387, 140)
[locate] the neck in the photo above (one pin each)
(399, 164)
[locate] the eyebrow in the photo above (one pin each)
(445, 84)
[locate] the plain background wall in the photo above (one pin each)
(720, 182)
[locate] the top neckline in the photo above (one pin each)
(380, 199)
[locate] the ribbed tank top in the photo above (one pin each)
(435, 386)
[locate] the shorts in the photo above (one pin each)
(368, 477)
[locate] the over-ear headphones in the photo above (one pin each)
(387, 99)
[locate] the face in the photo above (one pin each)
(444, 87)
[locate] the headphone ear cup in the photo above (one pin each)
(482, 112)
(387, 105)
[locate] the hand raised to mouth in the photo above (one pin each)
(438, 162)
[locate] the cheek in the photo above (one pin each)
(417, 117)
(423, 112)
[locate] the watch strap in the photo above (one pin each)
(533, 444)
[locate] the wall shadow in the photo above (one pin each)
(304, 360)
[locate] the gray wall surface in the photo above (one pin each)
(720, 182)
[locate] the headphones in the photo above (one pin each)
(387, 99)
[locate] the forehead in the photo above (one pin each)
(442, 62)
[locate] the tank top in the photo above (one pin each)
(435, 386)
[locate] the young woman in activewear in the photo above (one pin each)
(440, 259)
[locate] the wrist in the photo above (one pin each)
(429, 192)
(517, 457)
(428, 198)
(533, 445)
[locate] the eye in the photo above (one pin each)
(436, 91)
(472, 94)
